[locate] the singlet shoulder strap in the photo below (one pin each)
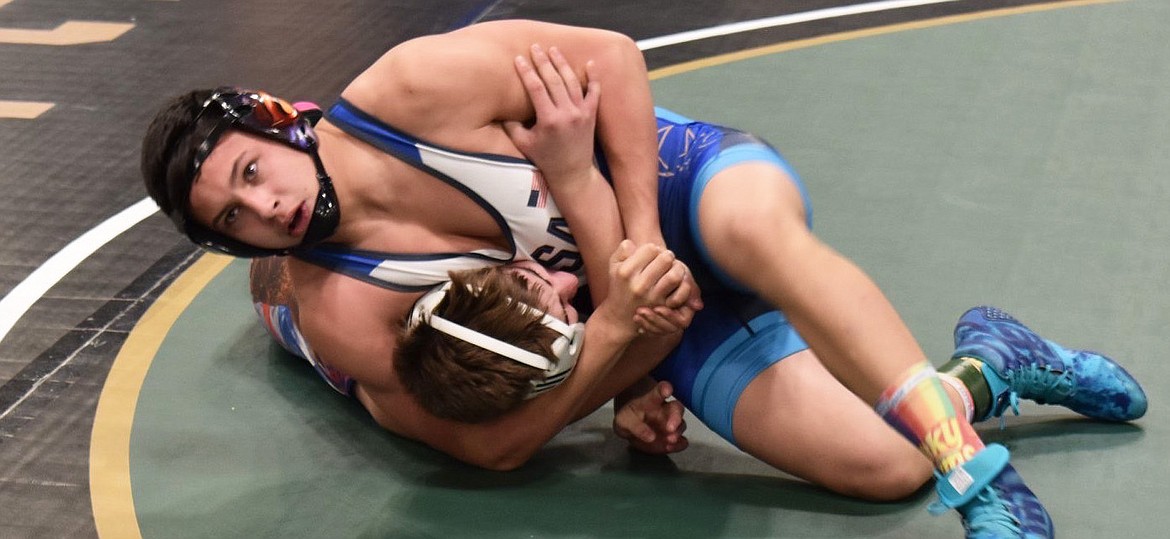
(401, 272)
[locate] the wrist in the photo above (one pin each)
(610, 326)
(570, 183)
(640, 229)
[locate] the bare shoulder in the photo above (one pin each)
(351, 325)
(422, 84)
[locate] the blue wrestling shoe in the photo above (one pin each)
(1018, 363)
(992, 499)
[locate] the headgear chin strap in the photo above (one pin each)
(272, 118)
(566, 348)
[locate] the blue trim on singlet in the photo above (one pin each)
(737, 361)
(359, 264)
(754, 150)
(379, 134)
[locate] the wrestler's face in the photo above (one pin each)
(555, 289)
(256, 191)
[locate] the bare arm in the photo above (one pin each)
(345, 321)
(464, 81)
(510, 441)
(560, 142)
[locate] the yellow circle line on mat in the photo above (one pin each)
(109, 449)
(109, 462)
(858, 34)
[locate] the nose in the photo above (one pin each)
(564, 283)
(262, 203)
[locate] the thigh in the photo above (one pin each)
(798, 418)
(751, 215)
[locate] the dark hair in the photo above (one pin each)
(454, 379)
(169, 147)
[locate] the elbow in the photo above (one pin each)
(627, 51)
(504, 465)
(502, 461)
(618, 52)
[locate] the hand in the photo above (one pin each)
(560, 142)
(663, 320)
(642, 276)
(653, 422)
(676, 313)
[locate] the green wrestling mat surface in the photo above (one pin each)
(1018, 160)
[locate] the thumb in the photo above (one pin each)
(624, 250)
(664, 390)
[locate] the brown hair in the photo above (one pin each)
(168, 149)
(454, 379)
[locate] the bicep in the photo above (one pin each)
(467, 77)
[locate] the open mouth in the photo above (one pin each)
(298, 219)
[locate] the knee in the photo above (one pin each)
(756, 235)
(885, 481)
(771, 220)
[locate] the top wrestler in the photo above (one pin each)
(212, 163)
(353, 199)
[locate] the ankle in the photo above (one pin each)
(965, 375)
(959, 394)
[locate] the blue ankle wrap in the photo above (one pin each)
(963, 483)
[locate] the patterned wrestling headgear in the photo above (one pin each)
(566, 348)
(272, 118)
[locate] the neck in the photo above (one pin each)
(364, 186)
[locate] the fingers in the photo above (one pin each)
(642, 432)
(553, 82)
(569, 86)
(533, 85)
(657, 263)
(649, 321)
(518, 133)
(664, 389)
(593, 90)
(653, 423)
(655, 276)
(674, 287)
(550, 77)
(633, 266)
(663, 320)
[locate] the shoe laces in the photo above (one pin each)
(1040, 383)
(985, 516)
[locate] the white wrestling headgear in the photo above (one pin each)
(567, 347)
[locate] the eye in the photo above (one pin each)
(250, 171)
(229, 218)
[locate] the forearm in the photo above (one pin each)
(592, 213)
(631, 372)
(627, 131)
(509, 442)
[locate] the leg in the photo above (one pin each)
(762, 241)
(780, 419)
